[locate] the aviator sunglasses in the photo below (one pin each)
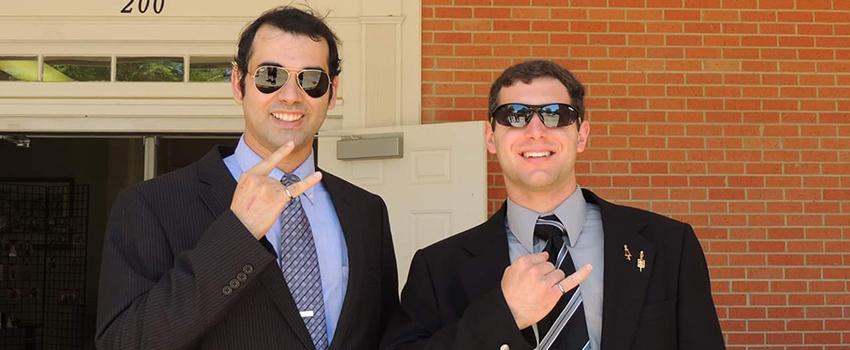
(269, 79)
(518, 115)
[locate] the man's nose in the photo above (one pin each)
(289, 92)
(535, 127)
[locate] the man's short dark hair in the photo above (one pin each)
(530, 70)
(291, 20)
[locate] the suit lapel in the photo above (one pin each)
(217, 197)
(488, 247)
(220, 183)
(348, 214)
(624, 283)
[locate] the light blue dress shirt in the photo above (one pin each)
(584, 228)
(327, 232)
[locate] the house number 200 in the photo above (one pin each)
(144, 6)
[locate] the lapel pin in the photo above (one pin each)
(627, 253)
(641, 263)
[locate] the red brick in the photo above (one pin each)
(612, 13)
(491, 12)
(453, 12)
(832, 16)
(823, 311)
(836, 325)
(768, 272)
(743, 338)
(806, 246)
(814, 29)
(452, 37)
(428, 25)
(511, 2)
(550, 2)
(739, 312)
(511, 25)
(764, 325)
(473, 25)
(626, 27)
(785, 312)
(784, 338)
(764, 194)
(570, 13)
(800, 273)
(644, 15)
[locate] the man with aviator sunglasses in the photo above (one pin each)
(642, 278)
(253, 248)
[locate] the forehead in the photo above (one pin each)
(272, 45)
(538, 91)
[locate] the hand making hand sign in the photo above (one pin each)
(259, 199)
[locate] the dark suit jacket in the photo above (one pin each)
(453, 298)
(181, 271)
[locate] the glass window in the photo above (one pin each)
(209, 69)
(167, 69)
(77, 68)
(18, 68)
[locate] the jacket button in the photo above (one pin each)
(505, 347)
(248, 269)
(233, 283)
(226, 290)
(241, 277)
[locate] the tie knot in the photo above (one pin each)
(289, 179)
(549, 226)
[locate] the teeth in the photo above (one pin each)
(287, 117)
(536, 154)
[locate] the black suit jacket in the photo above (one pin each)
(181, 271)
(453, 297)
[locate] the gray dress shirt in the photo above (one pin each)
(584, 227)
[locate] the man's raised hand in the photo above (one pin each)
(530, 287)
(259, 199)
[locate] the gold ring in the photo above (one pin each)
(561, 288)
(288, 194)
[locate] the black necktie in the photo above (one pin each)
(574, 335)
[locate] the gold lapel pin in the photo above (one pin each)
(641, 263)
(627, 253)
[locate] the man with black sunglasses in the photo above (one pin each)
(511, 282)
(253, 248)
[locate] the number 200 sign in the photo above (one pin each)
(144, 6)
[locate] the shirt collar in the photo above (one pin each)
(571, 211)
(247, 159)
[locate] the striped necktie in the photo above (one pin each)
(300, 265)
(574, 335)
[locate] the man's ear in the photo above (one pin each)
(583, 136)
(489, 138)
(235, 76)
(334, 92)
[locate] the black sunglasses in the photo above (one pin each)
(518, 115)
(269, 79)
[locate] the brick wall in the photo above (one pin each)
(732, 115)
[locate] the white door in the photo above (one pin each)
(438, 187)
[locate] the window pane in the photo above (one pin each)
(19, 68)
(149, 69)
(76, 68)
(209, 69)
